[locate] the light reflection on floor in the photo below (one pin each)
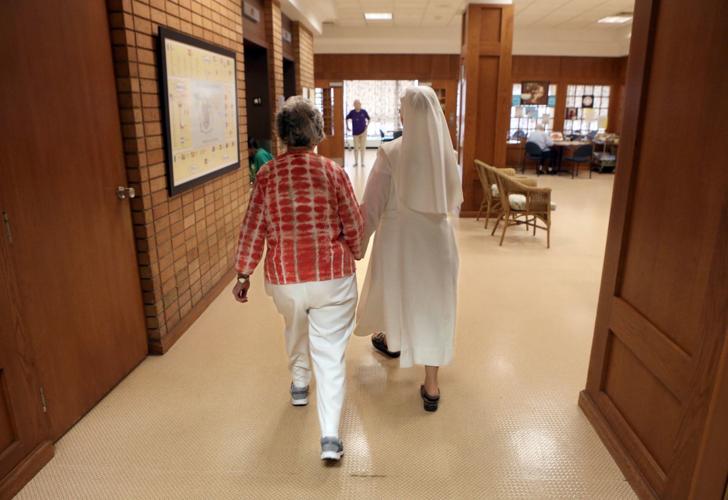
(211, 418)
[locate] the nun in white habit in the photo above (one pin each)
(410, 292)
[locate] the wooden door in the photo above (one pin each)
(333, 145)
(447, 92)
(662, 316)
(61, 162)
(24, 444)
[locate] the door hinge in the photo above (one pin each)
(8, 229)
(43, 401)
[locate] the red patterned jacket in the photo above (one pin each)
(303, 206)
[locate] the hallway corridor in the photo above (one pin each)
(211, 419)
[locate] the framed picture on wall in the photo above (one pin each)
(534, 92)
(571, 113)
(200, 114)
(587, 101)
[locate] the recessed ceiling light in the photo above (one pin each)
(621, 18)
(378, 16)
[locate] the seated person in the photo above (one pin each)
(543, 141)
(258, 157)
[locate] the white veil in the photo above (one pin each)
(426, 177)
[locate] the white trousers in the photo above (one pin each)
(319, 319)
(360, 146)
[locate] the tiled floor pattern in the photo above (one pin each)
(211, 418)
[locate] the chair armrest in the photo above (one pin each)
(539, 198)
(526, 181)
(508, 171)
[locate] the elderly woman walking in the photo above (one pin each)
(410, 291)
(304, 208)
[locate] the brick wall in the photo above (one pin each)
(302, 40)
(275, 64)
(185, 243)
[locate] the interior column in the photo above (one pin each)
(486, 83)
(272, 13)
(302, 41)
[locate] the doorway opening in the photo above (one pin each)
(289, 78)
(380, 98)
(257, 97)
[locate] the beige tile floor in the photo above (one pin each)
(211, 418)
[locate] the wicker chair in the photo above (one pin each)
(532, 206)
(491, 203)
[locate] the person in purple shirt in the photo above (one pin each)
(359, 123)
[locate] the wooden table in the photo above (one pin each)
(560, 146)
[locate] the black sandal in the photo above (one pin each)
(379, 341)
(430, 402)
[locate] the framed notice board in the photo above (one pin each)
(200, 109)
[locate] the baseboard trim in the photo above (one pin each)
(22, 473)
(633, 475)
(165, 343)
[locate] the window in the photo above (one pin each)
(524, 118)
(587, 109)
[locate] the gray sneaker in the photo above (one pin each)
(331, 448)
(299, 395)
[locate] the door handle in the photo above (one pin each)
(123, 192)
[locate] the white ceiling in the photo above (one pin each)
(569, 14)
(572, 14)
(547, 27)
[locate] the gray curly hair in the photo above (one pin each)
(299, 123)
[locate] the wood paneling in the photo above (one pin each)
(654, 386)
(11, 484)
(712, 467)
(287, 46)
(256, 31)
(450, 87)
(487, 60)
(568, 68)
(23, 425)
(386, 67)
(73, 244)
(333, 145)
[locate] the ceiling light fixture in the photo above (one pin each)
(621, 18)
(378, 16)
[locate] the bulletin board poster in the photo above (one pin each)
(199, 96)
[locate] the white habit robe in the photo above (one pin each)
(410, 290)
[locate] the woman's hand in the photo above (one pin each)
(240, 290)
